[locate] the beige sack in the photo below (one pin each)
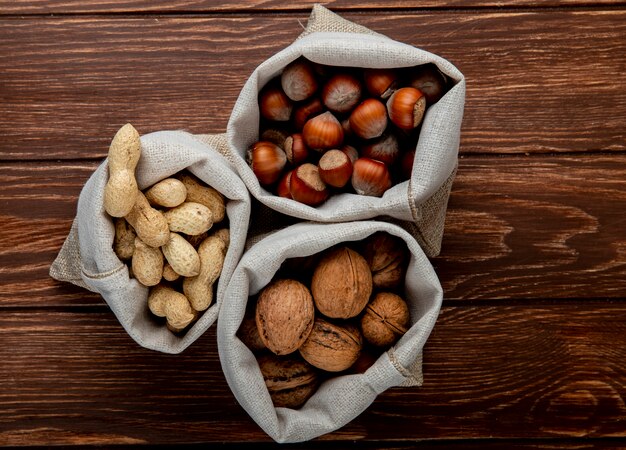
(87, 258)
(339, 400)
(419, 203)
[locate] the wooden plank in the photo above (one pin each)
(545, 372)
(213, 6)
(538, 81)
(517, 228)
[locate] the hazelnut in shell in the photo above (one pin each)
(335, 168)
(386, 318)
(428, 79)
(341, 283)
(323, 132)
(267, 161)
(284, 315)
(306, 185)
(385, 149)
(305, 111)
(274, 104)
(290, 381)
(406, 108)
(295, 149)
(332, 347)
(380, 82)
(284, 185)
(298, 80)
(370, 177)
(341, 93)
(369, 119)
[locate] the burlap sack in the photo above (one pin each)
(87, 258)
(420, 202)
(341, 399)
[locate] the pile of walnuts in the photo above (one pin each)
(328, 313)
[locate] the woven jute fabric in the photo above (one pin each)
(342, 398)
(419, 203)
(87, 259)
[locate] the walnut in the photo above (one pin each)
(284, 315)
(332, 347)
(289, 380)
(387, 257)
(341, 284)
(249, 332)
(386, 318)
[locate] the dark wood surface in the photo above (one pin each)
(530, 347)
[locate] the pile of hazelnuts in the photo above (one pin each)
(327, 129)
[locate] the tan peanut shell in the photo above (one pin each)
(169, 193)
(156, 299)
(284, 315)
(341, 283)
(289, 380)
(124, 241)
(181, 255)
(199, 289)
(121, 189)
(149, 224)
(169, 274)
(178, 312)
(189, 218)
(147, 264)
(385, 320)
(224, 235)
(205, 195)
(332, 347)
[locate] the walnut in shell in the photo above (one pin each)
(284, 315)
(386, 318)
(341, 284)
(289, 380)
(332, 347)
(249, 332)
(387, 257)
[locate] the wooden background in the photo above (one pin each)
(530, 347)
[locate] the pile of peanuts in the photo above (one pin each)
(166, 234)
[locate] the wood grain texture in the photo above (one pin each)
(552, 371)
(538, 81)
(213, 6)
(517, 228)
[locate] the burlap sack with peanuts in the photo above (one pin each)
(342, 398)
(87, 258)
(419, 203)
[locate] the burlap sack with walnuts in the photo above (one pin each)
(87, 258)
(420, 202)
(341, 399)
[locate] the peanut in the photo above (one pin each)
(121, 190)
(149, 224)
(197, 239)
(169, 274)
(174, 306)
(124, 242)
(199, 289)
(189, 218)
(207, 196)
(224, 235)
(147, 264)
(168, 193)
(182, 256)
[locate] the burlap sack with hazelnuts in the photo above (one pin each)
(87, 258)
(418, 204)
(342, 397)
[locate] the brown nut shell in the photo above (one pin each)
(332, 347)
(341, 284)
(249, 332)
(387, 257)
(386, 318)
(289, 380)
(284, 315)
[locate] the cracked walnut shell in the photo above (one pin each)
(341, 284)
(332, 347)
(289, 380)
(284, 315)
(386, 318)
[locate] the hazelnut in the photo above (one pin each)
(267, 161)
(275, 136)
(387, 257)
(380, 82)
(306, 111)
(284, 186)
(295, 149)
(385, 149)
(335, 168)
(352, 152)
(306, 185)
(428, 79)
(406, 108)
(274, 104)
(323, 132)
(332, 347)
(289, 380)
(341, 284)
(406, 164)
(341, 93)
(386, 318)
(370, 177)
(284, 315)
(298, 80)
(369, 119)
